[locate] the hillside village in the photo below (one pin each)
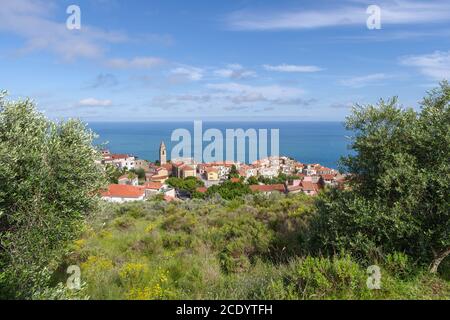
(273, 174)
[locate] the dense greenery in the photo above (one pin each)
(113, 173)
(399, 196)
(188, 185)
(219, 249)
(48, 177)
(229, 190)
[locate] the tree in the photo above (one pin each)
(252, 180)
(234, 173)
(50, 176)
(189, 185)
(399, 186)
(113, 173)
(140, 172)
(229, 190)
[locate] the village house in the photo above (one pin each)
(328, 179)
(212, 174)
(157, 174)
(268, 172)
(188, 171)
(320, 170)
(247, 171)
(223, 168)
(129, 179)
(309, 187)
(142, 164)
(152, 188)
(121, 193)
(122, 161)
(294, 189)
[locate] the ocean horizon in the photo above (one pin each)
(321, 142)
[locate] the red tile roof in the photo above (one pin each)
(123, 191)
(294, 188)
(153, 185)
(202, 189)
(235, 180)
(119, 156)
(328, 176)
(310, 186)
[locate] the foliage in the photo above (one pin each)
(229, 249)
(398, 199)
(229, 190)
(189, 185)
(139, 172)
(49, 178)
(113, 173)
(280, 179)
(234, 173)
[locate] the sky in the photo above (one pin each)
(220, 60)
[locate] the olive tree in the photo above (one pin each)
(49, 178)
(398, 195)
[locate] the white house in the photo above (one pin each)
(123, 193)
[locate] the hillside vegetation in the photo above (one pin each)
(255, 248)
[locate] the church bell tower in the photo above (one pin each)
(162, 154)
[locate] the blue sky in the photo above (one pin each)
(220, 60)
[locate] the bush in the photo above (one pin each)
(49, 180)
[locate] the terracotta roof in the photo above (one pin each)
(295, 188)
(158, 177)
(178, 164)
(327, 176)
(123, 191)
(119, 156)
(309, 186)
(211, 170)
(268, 188)
(187, 167)
(202, 189)
(153, 185)
(235, 180)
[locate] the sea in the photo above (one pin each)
(307, 142)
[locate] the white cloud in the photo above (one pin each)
(434, 65)
(32, 20)
(240, 93)
(363, 81)
(291, 68)
(137, 62)
(93, 102)
(186, 73)
(235, 71)
(392, 12)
